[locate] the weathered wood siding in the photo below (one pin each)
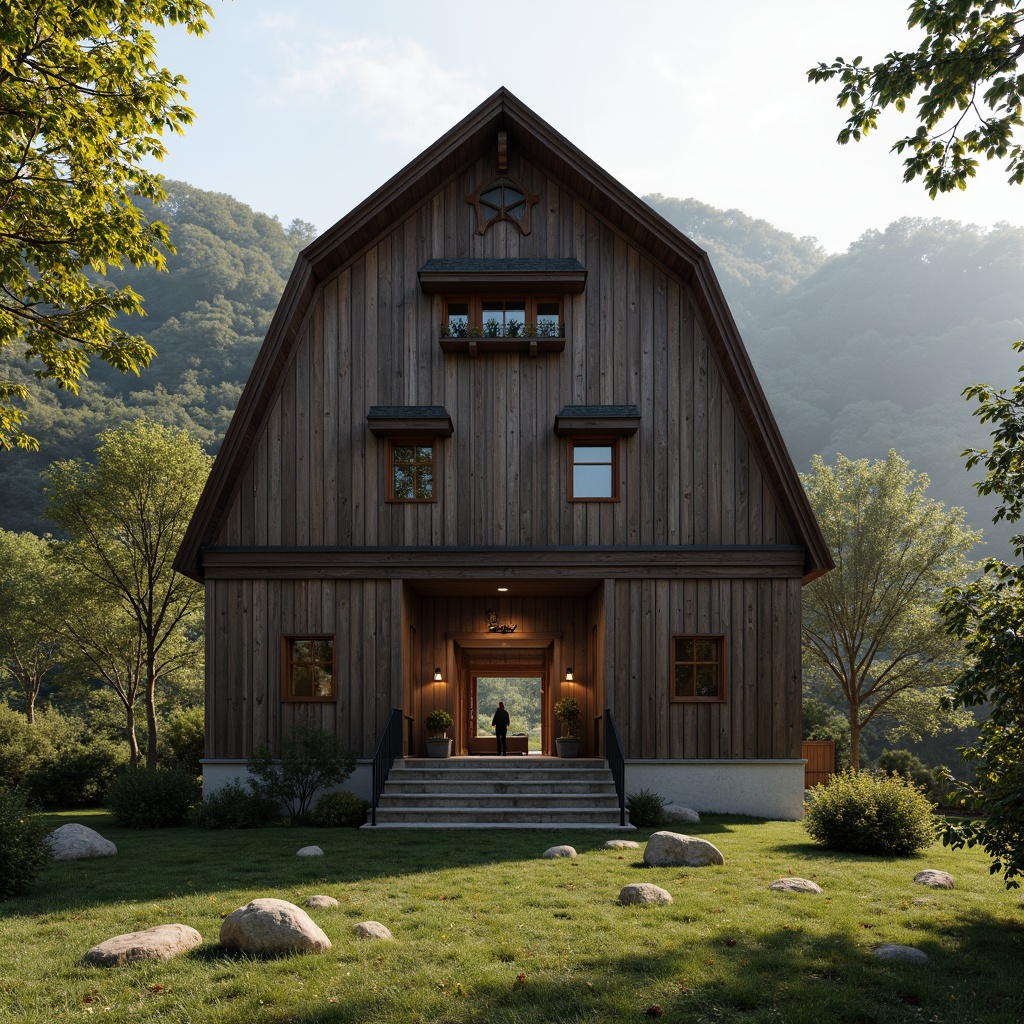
(634, 336)
(246, 620)
(761, 621)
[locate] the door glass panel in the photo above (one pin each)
(522, 698)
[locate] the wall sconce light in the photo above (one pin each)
(437, 675)
(568, 674)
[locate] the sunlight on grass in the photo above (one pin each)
(487, 931)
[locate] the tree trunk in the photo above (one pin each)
(133, 741)
(855, 728)
(151, 705)
(30, 707)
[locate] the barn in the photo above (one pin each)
(503, 426)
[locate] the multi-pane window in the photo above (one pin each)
(308, 668)
(503, 317)
(698, 668)
(412, 471)
(594, 471)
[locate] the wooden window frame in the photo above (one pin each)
(415, 442)
(287, 696)
(475, 304)
(594, 442)
(721, 697)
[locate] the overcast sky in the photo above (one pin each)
(304, 107)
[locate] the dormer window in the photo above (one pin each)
(503, 305)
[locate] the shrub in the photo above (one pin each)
(153, 798)
(438, 722)
(310, 759)
(646, 809)
(910, 767)
(24, 746)
(339, 810)
(23, 845)
(77, 775)
(235, 806)
(863, 813)
(182, 740)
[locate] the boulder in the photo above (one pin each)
(322, 902)
(936, 879)
(559, 851)
(371, 930)
(268, 927)
(674, 812)
(643, 892)
(76, 842)
(621, 844)
(671, 849)
(159, 943)
(310, 851)
(795, 885)
(901, 954)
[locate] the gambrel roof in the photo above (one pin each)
(415, 184)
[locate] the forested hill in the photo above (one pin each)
(858, 352)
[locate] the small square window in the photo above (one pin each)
(698, 668)
(595, 474)
(412, 471)
(307, 671)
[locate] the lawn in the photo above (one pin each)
(487, 931)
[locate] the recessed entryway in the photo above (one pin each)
(523, 699)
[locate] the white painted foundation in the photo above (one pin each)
(218, 772)
(763, 789)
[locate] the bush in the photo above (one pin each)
(182, 740)
(863, 813)
(24, 746)
(646, 809)
(77, 775)
(23, 846)
(235, 806)
(147, 798)
(910, 767)
(310, 759)
(339, 810)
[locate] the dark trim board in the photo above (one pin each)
(416, 564)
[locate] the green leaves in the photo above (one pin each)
(968, 46)
(870, 628)
(83, 106)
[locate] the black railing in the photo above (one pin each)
(616, 758)
(389, 746)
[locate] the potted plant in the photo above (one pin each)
(438, 722)
(570, 714)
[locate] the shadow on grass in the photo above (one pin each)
(786, 975)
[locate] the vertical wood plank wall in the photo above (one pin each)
(634, 336)
(690, 476)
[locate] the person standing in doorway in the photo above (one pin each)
(500, 723)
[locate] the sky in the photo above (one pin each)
(305, 107)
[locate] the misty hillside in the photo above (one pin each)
(857, 352)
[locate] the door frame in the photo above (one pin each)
(501, 661)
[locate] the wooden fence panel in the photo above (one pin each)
(820, 756)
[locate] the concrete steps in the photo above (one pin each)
(499, 792)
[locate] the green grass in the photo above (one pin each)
(472, 911)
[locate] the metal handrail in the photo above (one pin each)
(616, 758)
(389, 747)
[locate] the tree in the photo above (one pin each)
(988, 616)
(965, 69)
(83, 106)
(28, 645)
(131, 618)
(871, 632)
